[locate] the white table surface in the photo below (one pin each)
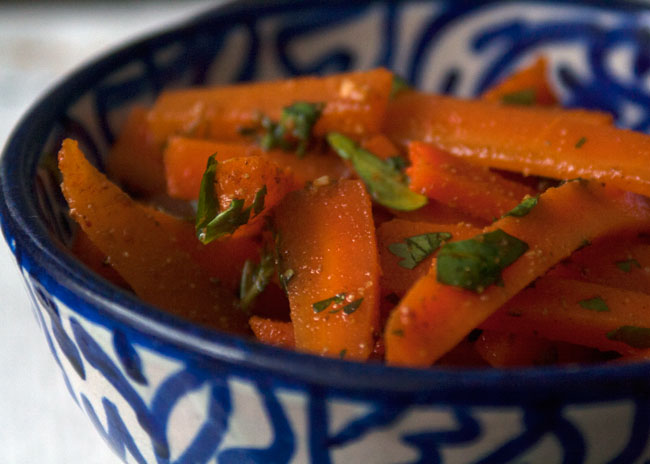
(39, 43)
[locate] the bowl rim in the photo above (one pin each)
(40, 255)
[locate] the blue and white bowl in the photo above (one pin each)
(163, 391)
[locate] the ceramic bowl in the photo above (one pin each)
(163, 391)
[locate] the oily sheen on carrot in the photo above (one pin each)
(573, 311)
(185, 160)
(140, 249)
(433, 317)
(532, 78)
(457, 183)
(327, 241)
(561, 144)
(355, 105)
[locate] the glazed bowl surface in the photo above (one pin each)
(161, 390)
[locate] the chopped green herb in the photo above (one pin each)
(353, 306)
(322, 305)
(286, 276)
(524, 207)
(255, 278)
(415, 249)
(581, 142)
(397, 163)
(626, 265)
(526, 97)
(398, 86)
(343, 352)
(636, 337)
(476, 263)
(398, 332)
(595, 304)
(387, 185)
(293, 132)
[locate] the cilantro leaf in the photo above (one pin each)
(626, 265)
(294, 130)
(594, 304)
(581, 142)
(525, 97)
(523, 208)
(387, 185)
(636, 337)
(476, 263)
(322, 305)
(255, 278)
(211, 224)
(353, 306)
(415, 249)
(398, 86)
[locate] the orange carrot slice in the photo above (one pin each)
(135, 160)
(620, 261)
(276, 333)
(327, 245)
(185, 160)
(547, 142)
(140, 249)
(577, 312)
(84, 249)
(355, 105)
(533, 78)
(433, 317)
(459, 184)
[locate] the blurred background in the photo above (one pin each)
(40, 42)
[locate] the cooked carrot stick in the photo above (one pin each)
(84, 249)
(243, 178)
(437, 213)
(380, 146)
(398, 275)
(508, 349)
(328, 251)
(434, 316)
(185, 160)
(533, 79)
(576, 312)
(355, 105)
(139, 248)
(621, 261)
(459, 184)
(135, 160)
(276, 333)
(547, 142)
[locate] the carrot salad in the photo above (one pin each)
(352, 216)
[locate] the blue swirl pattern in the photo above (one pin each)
(159, 408)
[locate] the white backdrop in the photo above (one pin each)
(39, 43)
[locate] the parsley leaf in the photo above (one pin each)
(626, 265)
(353, 306)
(255, 278)
(476, 263)
(398, 86)
(525, 97)
(581, 142)
(524, 207)
(210, 223)
(594, 304)
(415, 249)
(387, 185)
(322, 305)
(636, 337)
(293, 132)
